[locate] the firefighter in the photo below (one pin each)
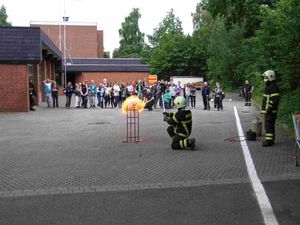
(270, 103)
(180, 125)
(248, 89)
(32, 95)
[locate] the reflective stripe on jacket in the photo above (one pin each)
(182, 121)
(271, 97)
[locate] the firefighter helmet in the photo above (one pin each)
(269, 75)
(180, 102)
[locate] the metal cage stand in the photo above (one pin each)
(133, 126)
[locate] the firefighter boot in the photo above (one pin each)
(268, 143)
(191, 143)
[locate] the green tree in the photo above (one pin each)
(223, 50)
(172, 57)
(203, 25)
(279, 38)
(106, 54)
(170, 25)
(242, 12)
(170, 50)
(132, 42)
(3, 17)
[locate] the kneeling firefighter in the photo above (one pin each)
(270, 103)
(181, 125)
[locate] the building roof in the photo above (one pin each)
(106, 65)
(67, 23)
(105, 61)
(25, 45)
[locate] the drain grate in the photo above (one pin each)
(97, 123)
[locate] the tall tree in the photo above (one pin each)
(170, 49)
(242, 12)
(172, 56)
(223, 50)
(3, 17)
(203, 26)
(170, 25)
(132, 39)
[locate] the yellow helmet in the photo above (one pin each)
(180, 102)
(269, 75)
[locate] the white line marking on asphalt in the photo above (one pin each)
(262, 198)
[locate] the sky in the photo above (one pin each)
(108, 14)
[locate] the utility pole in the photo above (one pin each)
(65, 19)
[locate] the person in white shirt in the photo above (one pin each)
(117, 90)
(187, 91)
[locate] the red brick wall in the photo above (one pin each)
(121, 77)
(14, 88)
(100, 48)
(81, 41)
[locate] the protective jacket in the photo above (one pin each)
(270, 101)
(182, 122)
(31, 90)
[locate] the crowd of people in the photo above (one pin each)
(161, 94)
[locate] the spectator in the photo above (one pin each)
(92, 94)
(167, 99)
(193, 96)
(32, 95)
(69, 92)
(206, 96)
(219, 97)
(187, 92)
(117, 90)
(107, 95)
(84, 94)
(172, 91)
(123, 92)
(139, 89)
(178, 88)
(47, 89)
(77, 95)
(54, 92)
(100, 95)
(148, 100)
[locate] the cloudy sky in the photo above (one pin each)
(108, 14)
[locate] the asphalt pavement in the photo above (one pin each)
(73, 166)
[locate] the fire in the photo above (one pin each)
(133, 103)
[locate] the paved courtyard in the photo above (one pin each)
(71, 166)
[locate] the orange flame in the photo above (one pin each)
(133, 103)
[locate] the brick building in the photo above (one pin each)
(120, 70)
(25, 53)
(36, 52)
(84, 44)
(83, 40)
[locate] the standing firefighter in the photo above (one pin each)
(248, 88)
(181, 125)
(270, 103)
